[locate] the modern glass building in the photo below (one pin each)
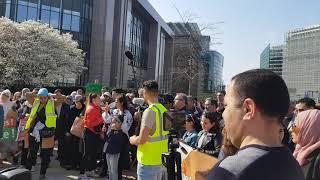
(215, 71)
(134, 25)
(72, 16)
(264, 58)
(272, 58)
(276, 59)
(139, 39)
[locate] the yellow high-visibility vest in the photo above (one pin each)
(150, 153)
(51, 117)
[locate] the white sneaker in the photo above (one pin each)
(92, 174)
(83, 177)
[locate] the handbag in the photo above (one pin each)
(77, 127)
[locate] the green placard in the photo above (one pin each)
(93, 88)
(9, 134)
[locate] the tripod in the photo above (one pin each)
(172, 159)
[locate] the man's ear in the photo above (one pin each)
(249, 108)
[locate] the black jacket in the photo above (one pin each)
(211, 143)
(73, 113)
(117, 140)
(311, 170)
(62, 120)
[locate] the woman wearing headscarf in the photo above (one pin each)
(306, 135)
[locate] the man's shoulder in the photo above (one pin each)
(148, 115)
(254, 160)
(240, 161)
(232, 167)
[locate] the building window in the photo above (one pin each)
(67, 6)
(55, 5)
(23, 2)
(8, 6)
(66, 22)
(33, 3)
(22, 13)
(139, 40)
(45, 4)
(32, 13)
(45, 16)
(54, 19)
(75, 25)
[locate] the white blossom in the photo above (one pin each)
(32, 53)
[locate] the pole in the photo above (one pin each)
(189, 88)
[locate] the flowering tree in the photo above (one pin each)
(34, 54)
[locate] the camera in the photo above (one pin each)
(174, 121)
(139, 104)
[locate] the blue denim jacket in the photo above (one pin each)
(190, 138)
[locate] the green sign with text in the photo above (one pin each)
(93, 88)
(9, 134)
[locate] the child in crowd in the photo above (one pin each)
(116, 140)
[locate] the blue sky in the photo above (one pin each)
(249, 25)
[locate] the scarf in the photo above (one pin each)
(308, 123)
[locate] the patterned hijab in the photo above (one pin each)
(308, 123)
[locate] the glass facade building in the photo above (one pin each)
(139, 39)
(216, 71)
(264, 58)
(214, 62)
(276, 59)
(73, 16)
(272, 58)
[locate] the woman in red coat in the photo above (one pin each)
(93, 124)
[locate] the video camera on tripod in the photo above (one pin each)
(172, 159)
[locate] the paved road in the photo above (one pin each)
(55, 172)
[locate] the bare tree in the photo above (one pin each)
(189, 67)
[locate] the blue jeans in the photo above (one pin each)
(112, 161)
(151, 172)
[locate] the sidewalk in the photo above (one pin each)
(55, 172)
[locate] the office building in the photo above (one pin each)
(272, 58)
(105, 29)
(302, 62)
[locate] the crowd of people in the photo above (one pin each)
(253, 129)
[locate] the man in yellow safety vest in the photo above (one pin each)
(40, 129)
(153, 139)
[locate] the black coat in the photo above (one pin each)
(211, 143)
(117, 140)
(311, 170)
(73, 113)
(62, 121)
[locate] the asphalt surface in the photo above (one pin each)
(55, 172)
